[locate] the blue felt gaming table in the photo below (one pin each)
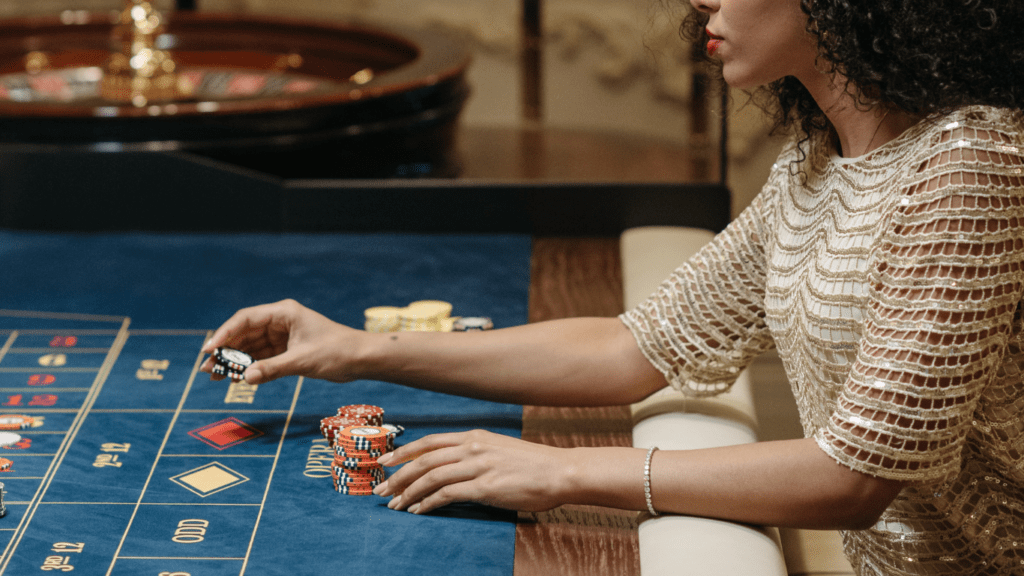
(138, 464)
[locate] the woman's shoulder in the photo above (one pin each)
(989, 116)
(973, 138)
(970, 126)
(974, 152)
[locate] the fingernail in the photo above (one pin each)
(380, 489)
(383, 460)
(206, 346)
(395, 501)
(414, 508)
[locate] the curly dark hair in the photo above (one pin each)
(925, 57)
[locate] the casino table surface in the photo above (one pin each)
(137, 463)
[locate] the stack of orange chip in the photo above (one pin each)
(356, 449)
(359, 436)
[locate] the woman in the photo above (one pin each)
(884, 260)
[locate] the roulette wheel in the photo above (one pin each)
(281, 97)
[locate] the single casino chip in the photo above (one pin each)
(15, 422)
(360, 443)
(356, 464)
(350, 480)
(8, 439)
(350, 477)
(356, 482)
(371, 472)
(219, 369)
(353, 491)
(339, 423)
(350, 489)
(5, 464)
(365, 419)
(361, 483)
(468, 323)
(353, 453)
(367, 411)
(431, 308)
(226, 355)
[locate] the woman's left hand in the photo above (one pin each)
(476, 466)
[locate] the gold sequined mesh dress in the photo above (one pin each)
(890, 285)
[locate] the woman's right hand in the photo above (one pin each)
(286, 339)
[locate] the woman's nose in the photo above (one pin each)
(706, 6)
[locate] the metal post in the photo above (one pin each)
(723, 138)
(532, 60)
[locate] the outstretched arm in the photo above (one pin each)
(577, 362)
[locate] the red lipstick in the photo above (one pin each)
(713, 43)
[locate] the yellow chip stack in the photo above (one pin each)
(419, 316)
(424, 316)
(382, 319)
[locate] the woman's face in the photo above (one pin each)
(759, 41)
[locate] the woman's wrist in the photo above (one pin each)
(367, 355)
(606, 476)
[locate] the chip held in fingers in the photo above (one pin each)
(231, 363)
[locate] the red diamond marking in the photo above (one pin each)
(225, 433)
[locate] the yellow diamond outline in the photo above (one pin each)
(199, 474)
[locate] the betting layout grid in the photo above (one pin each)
(203, 279)
(76, 431)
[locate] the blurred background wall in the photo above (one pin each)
(608, 65)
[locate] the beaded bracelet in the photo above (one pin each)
(647, 481)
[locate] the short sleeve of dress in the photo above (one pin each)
(944, 287)
(706, 321)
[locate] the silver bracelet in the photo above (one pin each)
(647, 481)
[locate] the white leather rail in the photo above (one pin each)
(682, 544)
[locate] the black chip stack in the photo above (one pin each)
(231, 363)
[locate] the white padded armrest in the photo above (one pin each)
(651, 253)
(736, 405)
(672, 545)
(678, 545)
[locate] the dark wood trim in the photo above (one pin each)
(573, 277)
